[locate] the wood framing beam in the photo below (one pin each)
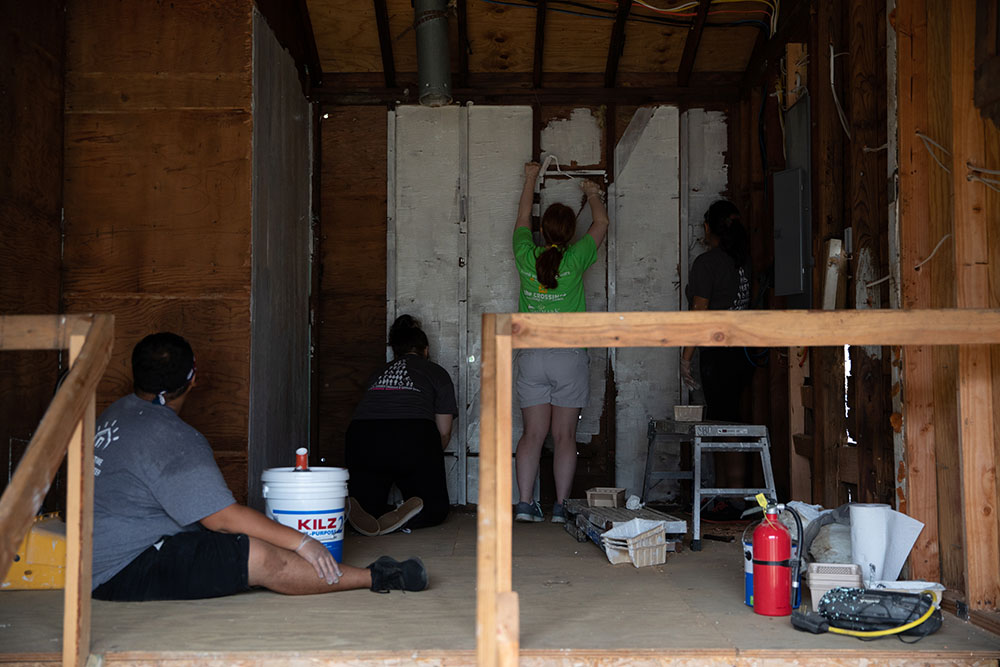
(23, 497)
(504, 332)
(711, 96)
(539, 55)
(496, 604)
(462, 12)
(691, 44)
(757, 328)
(385, 43)
(827, 155)
(972, 266)
(919, 498)
(617, 44)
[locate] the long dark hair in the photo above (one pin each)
(558, 224)
(723, 220)
(405, 335)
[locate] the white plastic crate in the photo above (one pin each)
(822, 577)
(642, 542)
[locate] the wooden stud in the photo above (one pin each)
(617, 43)
(539, 57)
(385, 43)
(487, 512)
(462, 12)
(972, 262)
(691, 45)
(79, 530)
(509, 629)
(917, 480)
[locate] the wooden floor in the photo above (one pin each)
(688, 611)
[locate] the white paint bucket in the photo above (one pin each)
(310, 501)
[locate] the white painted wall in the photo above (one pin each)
(457, 173)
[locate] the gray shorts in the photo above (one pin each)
(559, 376)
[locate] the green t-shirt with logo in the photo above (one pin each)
(568, 296)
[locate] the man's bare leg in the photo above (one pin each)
(283, 571)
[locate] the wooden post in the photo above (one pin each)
(79, 530)
(496, 605)
(917, 480)
(977, 452)
(826, 364)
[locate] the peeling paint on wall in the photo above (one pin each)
(575, 140)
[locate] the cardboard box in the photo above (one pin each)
(605, 496)
(689, 413)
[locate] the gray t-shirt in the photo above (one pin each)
(410, 387)
(154, 475)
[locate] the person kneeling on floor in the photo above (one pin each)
(166, 526)
(398, 435)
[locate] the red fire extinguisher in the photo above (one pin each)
(773, 583)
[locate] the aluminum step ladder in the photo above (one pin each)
(728, 438)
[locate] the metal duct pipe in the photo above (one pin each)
(430, 21)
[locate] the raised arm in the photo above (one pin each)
(599, 227)
(527, 195)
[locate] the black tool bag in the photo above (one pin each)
(868, 609)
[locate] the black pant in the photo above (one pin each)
(404, 452)
(725, 372)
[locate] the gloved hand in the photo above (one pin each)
(320, 558)
(686, 377)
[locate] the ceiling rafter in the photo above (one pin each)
(463, 43)
(536, 77)
(617, 44)
(385, 43)
(794, 26)
(691, 44)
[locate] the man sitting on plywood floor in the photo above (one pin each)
(166, 526)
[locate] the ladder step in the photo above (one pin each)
(731, 446)
(735, 492)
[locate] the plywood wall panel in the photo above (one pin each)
(576, 44)
(725, 49)
(131, 91)
(170, 200)
(32, 46)
(352, 307)
(652, 48)
(149, 37)
(504, 38)
(350, 26)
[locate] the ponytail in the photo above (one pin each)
(558, 225)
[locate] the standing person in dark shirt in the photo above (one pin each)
(398, 435)
(720, 280)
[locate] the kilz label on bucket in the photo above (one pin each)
(326, 526)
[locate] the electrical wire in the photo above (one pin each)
(836, 100)
(928, 258)
(928, 142)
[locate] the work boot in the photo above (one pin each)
(360, 520)
(393, 520)
(388, 574)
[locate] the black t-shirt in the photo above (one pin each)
(410, 387)
(715, 276)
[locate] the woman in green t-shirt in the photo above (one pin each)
(552, 384)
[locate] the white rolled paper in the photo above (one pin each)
(881, 539)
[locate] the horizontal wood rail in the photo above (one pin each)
(496, 604)
(66, 429)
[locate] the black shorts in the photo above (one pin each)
(186, 566)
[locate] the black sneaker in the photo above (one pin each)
(388, 574)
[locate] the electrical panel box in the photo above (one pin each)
(789, 268)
